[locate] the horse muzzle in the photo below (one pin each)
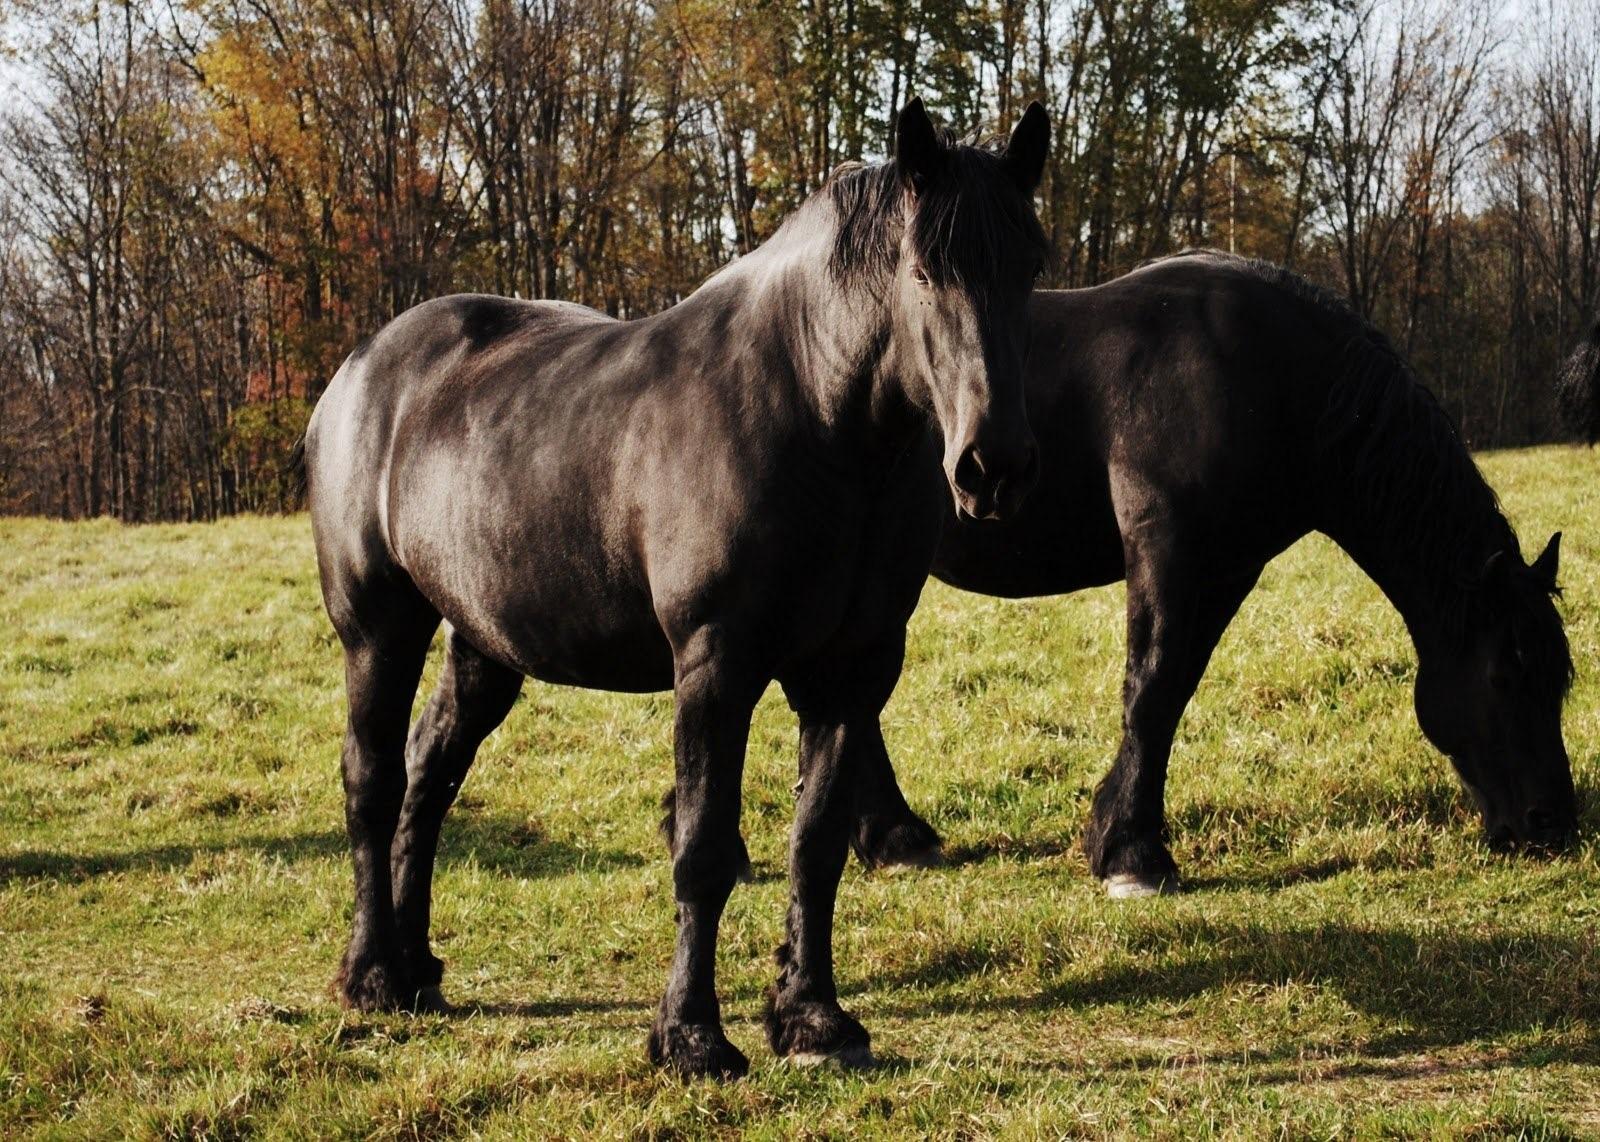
(990, 480)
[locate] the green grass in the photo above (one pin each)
(1349, 959)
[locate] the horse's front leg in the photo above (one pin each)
(838, 709)
(715, 698)
(886, 832)
(1175, 619)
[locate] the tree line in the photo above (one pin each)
(205, 204)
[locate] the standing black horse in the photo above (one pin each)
(734, 491)
(1195, 418)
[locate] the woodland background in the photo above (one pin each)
(205, 204)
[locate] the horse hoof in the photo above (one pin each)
(696, 1050)
(910, 844)
(854, 1058)
(1129, 886)
(913, 862)
(808, 1034)
(431, 1000)
(369, 986)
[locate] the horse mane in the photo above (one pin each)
(1384, 436)
(953, 242)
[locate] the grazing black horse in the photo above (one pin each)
(737, 490)
(1195, 418)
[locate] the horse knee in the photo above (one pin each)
(708, 866)
(373, 783)
(668, 826)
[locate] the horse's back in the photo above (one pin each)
(1207, 352)
(1184, 394)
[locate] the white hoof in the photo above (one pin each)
(851, 1058)
(1126, 886)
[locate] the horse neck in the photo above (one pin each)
(1417, 516)
(832, 334)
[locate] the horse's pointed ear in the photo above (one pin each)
(1026, 150)
(918, 153)
(1549, 561)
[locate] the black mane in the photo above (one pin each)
(957, 235)
(1414, 480)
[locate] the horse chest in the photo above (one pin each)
(864, 579)
(799, 578)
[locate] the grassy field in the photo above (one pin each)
(1348, 960)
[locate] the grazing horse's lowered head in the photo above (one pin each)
(936, 232)
(1490, 699)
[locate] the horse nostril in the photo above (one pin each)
(970, 469)
(1541, 823)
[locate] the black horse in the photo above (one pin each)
(1195, 418)
(737, 490)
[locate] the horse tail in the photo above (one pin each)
(298, 481)
(1578, 386)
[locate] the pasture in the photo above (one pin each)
(1348, 959)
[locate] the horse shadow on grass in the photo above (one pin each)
(499, 843)
(1430, 989)
(1025, 849)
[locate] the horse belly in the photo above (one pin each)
(546, 596)
(634, 661)
(600, 641)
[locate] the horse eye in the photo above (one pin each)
(920, 276)
(1038, 271)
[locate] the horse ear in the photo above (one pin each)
(1029, 144)
(917, 151)
(1549, 561)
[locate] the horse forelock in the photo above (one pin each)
(1540, 635)
(959, 223)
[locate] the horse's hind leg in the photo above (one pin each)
(1175, 618)
(887, 833)
(386, 633)
(473, 696)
